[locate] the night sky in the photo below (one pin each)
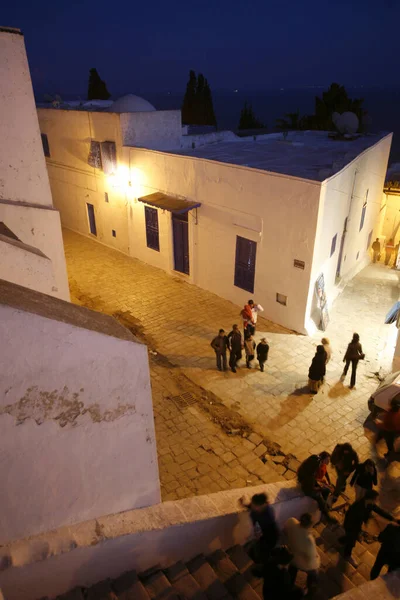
(247, 44)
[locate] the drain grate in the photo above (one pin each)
(184, 400)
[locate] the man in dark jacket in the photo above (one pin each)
(358, 513)
(262, 353)
(389, 552)
(220, 345)
(265, 528)
(235, 347)
(376, 248)
(345, 460)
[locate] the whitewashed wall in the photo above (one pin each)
(76, 425)
(25, 267)
(39, 227)
(74, 183)
(277, 212)
(23, 176)
(391, 219)
(366, 172)
(161, 129)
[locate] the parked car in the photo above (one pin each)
(388, 389)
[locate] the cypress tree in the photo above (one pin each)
(200, 112)
(189, 100)
(97, 89)
(248, 120)
(209, 106)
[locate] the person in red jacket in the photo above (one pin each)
(389, 425)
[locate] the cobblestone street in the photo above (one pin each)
(175, 317)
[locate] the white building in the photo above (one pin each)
(241, 217)
(76, 414)
(31, 247)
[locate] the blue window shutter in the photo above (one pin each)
(152, 234)
(245, 264)
(45, 143)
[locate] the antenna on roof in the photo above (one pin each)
(346, 123)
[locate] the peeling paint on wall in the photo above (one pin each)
(64, 407)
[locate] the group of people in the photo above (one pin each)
(235, 344)
(317, 370)
(390, 250)
(279, 565)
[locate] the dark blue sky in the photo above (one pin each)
(152, 44)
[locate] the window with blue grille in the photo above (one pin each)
(45, 143)
(245, 264)
(152, 235)
(333, 245)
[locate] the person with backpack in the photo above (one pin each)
(220, 344)
(364, 478)
(249, 348)
(345, 460)
(353, 354)
(389, 552)
(262, 353)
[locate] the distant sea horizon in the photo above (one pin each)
(381, 103)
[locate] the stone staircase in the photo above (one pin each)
(229, 575)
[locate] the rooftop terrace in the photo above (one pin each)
(312, 155)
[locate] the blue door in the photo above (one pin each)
(245, 263)
(180, 229)
(92, 218)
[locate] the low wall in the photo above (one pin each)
(84, 554)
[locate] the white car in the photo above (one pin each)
(388, 389)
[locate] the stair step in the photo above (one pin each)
(245, 566)
(184, 583)
(100, 591)
(240, 558)
(207, 579)
(128, 587)
(233, 580)
(157, 585)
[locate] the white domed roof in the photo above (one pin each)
(131, 103)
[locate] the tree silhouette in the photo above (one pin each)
(189, 100)
(292, 121)
(197, 106)
(335, 99)
(97, 89)
(248, 120)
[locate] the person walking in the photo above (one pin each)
(262, 353)
(364, 478)
(389, 425)
(235, 347)
(249, 348)
(353, 354)
(389, 249)
(357, 514)
(266, 530)
(345, 459)
(376, 249)
(327, 347)
(220, 344)
(317, 370)
(301, 543)
(389, 552)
